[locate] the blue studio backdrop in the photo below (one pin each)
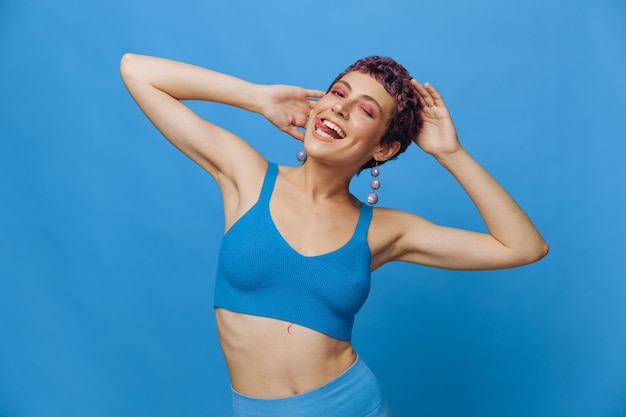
(109, 236)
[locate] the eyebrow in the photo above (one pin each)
(365, 96)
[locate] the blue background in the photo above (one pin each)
(109, 236)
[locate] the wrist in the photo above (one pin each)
(451, 157)
(256, 98)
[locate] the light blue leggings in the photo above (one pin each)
(354, 393)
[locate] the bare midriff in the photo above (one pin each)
(272, 358)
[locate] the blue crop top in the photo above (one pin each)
(259, 273)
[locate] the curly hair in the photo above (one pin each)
(405, 122)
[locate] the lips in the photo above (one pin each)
(328, 129)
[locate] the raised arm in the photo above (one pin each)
(512, 239)
(158, 85)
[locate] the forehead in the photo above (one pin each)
(366, 85)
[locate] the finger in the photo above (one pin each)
(301, 121)
(312, 103)
(295, 132)
(315, 93)
(422, 94)
(433, 92)
(425, 98)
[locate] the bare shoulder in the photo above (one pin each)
(387, 228)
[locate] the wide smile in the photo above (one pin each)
(328, 130)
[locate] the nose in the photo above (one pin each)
(340, 109)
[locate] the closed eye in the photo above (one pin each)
(369, 113)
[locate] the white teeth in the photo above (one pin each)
(335, 128)
(323, 134)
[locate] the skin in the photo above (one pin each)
(311, 204)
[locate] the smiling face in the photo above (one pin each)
(348, 122)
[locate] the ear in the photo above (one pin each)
(387, 151)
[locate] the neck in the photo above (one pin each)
(321, 181)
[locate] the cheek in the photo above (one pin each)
(377, 128)
(369, 135)
(382, 127)
(326, 99)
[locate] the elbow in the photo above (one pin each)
(535, 253)
(546, 249)
(542, 250)
(127, 64)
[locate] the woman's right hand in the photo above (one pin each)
(287, 107)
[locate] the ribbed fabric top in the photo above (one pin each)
(259, 273)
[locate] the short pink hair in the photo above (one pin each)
(405, 123)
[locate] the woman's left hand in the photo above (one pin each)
(437, 136)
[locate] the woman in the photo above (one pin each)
(295, 261)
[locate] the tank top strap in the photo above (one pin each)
(268, 183)
(365, 216)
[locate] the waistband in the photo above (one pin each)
(355, 392)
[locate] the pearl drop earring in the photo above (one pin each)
(372, 198)
(301, 156)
